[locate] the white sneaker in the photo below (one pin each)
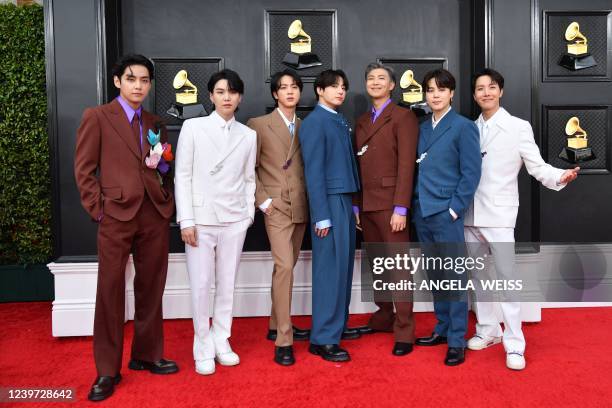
(205, 367)
(481, 342)
(228, 358)
(515, 360)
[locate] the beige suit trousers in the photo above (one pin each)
(285, 242)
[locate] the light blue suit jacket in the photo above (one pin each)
(449, 171)
(329, 161)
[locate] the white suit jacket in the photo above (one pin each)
(508, 144)
(215, 172)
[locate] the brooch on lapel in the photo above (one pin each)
(160, 154)
(422, 157)
(217, 168)
(363, 150)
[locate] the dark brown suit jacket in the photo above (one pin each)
(386, 168)
(106, 144)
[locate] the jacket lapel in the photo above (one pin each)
(119, 122)
(236, 137)
(147, 123)
(278, 127)
(372, 128)
(439, 130)
(296, 141)
(499, 126)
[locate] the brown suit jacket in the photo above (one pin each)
(386, 168)
(285, 187)
(107, 145)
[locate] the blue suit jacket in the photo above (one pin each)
(449, 173)
(329, 161)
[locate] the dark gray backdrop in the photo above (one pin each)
(85, 36)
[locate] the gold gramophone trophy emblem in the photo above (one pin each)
(412, 97)
(577, 149)
(301, 55)
(186, 105)
(577, 56)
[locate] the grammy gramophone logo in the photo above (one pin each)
(577, 56)
(412, 96)
(186, 105)
(413, 90)
(301, 55)
(577, 149)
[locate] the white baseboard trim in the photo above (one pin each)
(75, 289)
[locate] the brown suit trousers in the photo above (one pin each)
(376, 228)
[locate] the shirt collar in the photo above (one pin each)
(434, 122)
(492, 121)
(129, 111)
(287, 121)
(327, 108)
(221, 122)
(377, 112)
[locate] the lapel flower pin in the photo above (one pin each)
(160, 154)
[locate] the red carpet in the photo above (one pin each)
(569, 364)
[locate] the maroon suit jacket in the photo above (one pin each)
(106, 145)
(386, 168)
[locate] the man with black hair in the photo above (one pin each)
(131, 199)
(215, 204)
(331, 179)
(448, 158)
(281, 196)
(506, 143)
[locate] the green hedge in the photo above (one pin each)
(25, 188)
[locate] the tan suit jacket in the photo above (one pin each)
(285, 186)
(386, 166)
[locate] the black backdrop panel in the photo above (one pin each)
(188, 30)
(198, 70)
(595, 120)
(419, 66)
(594, 26)
(319, 25)
(577, 213)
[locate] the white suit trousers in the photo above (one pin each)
(488, 313)
(215, 259)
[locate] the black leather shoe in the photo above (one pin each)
(329, 352)
(284, 355)
(365, 330)
(103, 387)
(454, 356)
(298, 334)
(432, 340)
(156, 367)
(350, 334)
(401, 349)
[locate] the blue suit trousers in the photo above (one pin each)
(452, 315)
(332, 272)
